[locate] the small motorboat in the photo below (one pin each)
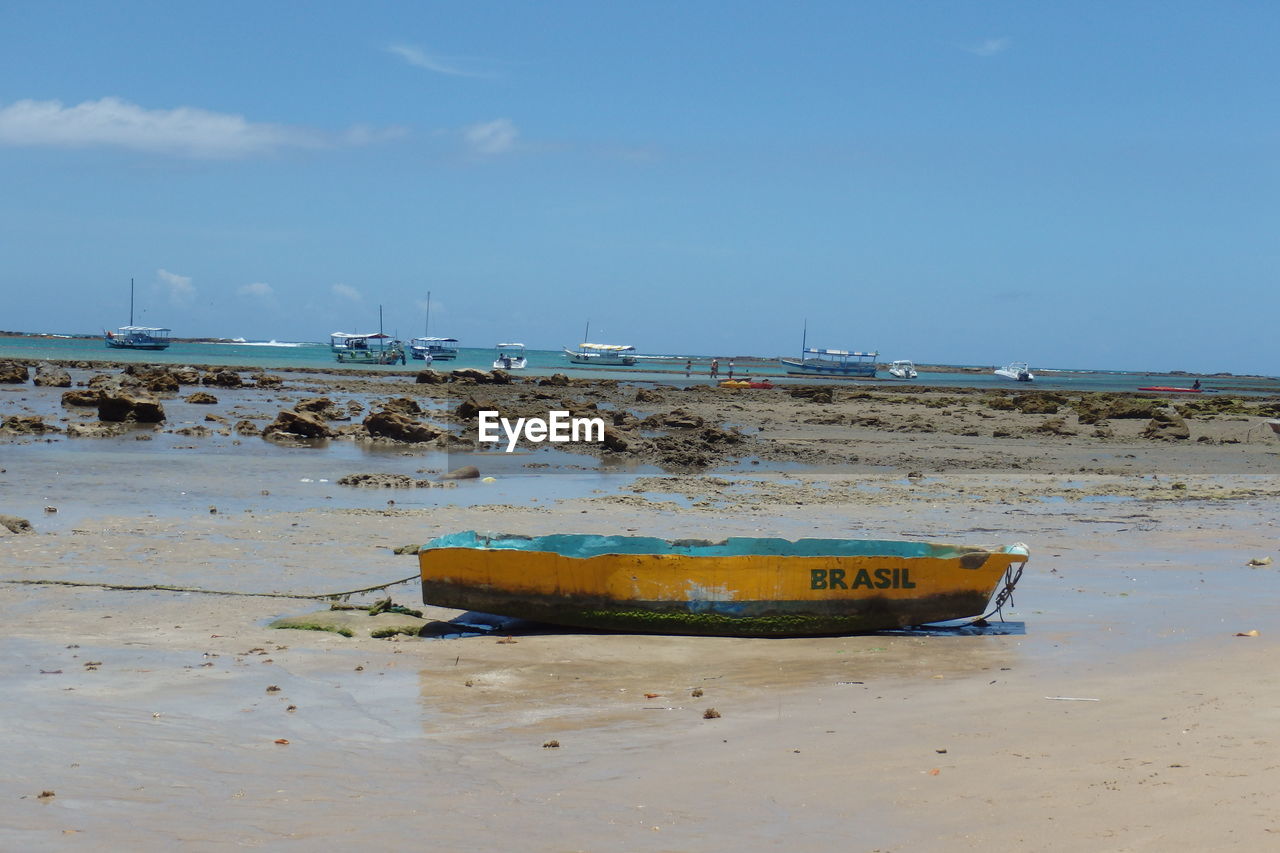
(1018, 371)
(902, 369)
(510, 357)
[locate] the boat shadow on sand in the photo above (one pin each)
(475, 624)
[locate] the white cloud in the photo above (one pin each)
(492, 137)
(258, 290)
(359, 135)
(181, 290)
(989, 47)
(183, 131)
(346, 291)
(419, 58)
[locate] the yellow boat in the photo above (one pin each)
(747, 587)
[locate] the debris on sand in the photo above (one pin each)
(389, 620)
(16, 525)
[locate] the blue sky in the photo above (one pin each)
(1077, 184)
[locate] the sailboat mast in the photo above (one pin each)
(586, 333)
(426, 327)
(130, 302)
(804, 339)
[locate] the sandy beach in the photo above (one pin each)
(1126, 701)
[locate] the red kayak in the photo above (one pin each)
(1170, 390)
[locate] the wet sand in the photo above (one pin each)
(1115, 709)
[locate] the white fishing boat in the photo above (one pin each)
(1018, 371)
(829, 362)
(510, 357)
(431, 349)
(366, 347)
(616, 355)
(137, 337)
(902, 369)
(611, 355)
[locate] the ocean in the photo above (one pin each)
(275, 355)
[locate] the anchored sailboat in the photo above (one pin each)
(137, 337)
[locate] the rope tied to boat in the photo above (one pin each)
(156, 587)
(1005, 595)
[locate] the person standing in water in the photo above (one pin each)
(715, 367)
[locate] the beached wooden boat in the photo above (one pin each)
(751, 587)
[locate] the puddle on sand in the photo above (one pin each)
(1085, 499)
(89, 478)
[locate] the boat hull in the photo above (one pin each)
(147, 345)
(818, 368)
(388, 356)
(741, 587)
(600, 359)
(433, 349)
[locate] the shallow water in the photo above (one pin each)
(545, 362)
(83, 478)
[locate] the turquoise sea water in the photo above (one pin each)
(669, 370)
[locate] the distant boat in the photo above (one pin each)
(432, 349)
(740, 587)
(510, 357)
(830, 362)
(137, 337)
(902, 369)
(1018, 371)
(616, 355)
(613, 355)
(366, 347)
